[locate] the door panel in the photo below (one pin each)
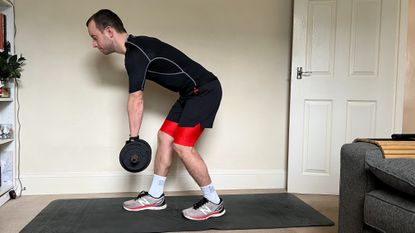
(351, 48)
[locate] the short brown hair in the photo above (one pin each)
(104, 18)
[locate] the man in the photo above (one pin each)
(200, 92)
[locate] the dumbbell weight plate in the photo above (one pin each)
(135, 156)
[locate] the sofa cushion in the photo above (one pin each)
(389, 211)
(397, 173)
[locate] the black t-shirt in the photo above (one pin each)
(152, 59)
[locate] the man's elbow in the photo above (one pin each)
(135, 99)
(136, 96)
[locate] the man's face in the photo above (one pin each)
(100, 40)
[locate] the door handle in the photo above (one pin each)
(300, 73)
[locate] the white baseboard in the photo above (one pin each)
(114, 182)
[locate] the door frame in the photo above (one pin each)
(401, 68)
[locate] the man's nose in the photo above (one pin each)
(94, 44)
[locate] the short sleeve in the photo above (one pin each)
(136, 64)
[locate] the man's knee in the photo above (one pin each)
(182, 150)
(164, 138)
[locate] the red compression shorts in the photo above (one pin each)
(185, 136)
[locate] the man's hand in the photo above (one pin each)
(132, 139)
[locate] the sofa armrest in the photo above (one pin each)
(355, 182)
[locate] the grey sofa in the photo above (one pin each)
(376, 194)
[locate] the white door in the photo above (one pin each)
(351, 47)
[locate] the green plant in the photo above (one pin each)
(10, 65)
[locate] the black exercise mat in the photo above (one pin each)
(255, 211)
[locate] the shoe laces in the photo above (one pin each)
(200, 203)
(141, 194)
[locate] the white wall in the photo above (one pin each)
(409, 104)
(73, 99)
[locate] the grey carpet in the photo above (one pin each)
(254, 211)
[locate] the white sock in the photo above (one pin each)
(210, 193)
(157, 186)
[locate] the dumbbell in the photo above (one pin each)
(135, 156)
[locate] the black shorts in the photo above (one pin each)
(200, 108)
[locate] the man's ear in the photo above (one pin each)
(109, 31)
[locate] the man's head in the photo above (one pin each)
(102, 27)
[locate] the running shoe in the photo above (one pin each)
(145, 201)
(204, 209)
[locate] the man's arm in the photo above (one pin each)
(135, 112)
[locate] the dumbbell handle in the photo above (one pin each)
(132, 139)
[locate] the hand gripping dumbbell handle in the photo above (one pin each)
(132, 139)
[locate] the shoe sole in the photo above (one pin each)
(206, 217)
(146, 208)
